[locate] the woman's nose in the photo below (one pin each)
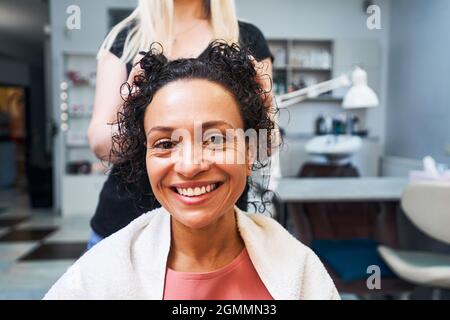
(190, 162)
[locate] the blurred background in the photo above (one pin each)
(345, 169)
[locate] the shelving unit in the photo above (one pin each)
(79, 72)
(301, 63)
(76, 50)
(82, 173)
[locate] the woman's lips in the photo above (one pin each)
(196, 200)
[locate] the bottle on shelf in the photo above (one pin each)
(320, 126)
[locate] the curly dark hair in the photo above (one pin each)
(227, 65)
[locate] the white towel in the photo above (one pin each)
(131, 263)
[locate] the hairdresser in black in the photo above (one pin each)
(194, 24)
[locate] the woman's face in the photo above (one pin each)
(194, 171)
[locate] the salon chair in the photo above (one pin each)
(427, 205)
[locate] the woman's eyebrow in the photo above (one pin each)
(205, 125)
(160, 128)
(216, 123)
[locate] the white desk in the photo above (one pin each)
(340, 189)
(386, 191)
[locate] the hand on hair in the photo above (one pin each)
(135, 70)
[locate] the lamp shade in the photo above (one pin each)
(360, 94)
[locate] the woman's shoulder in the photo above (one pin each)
(248, 27)
(118, 45)
(249, 33)
(252, 37)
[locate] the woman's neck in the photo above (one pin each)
(187, 10)
(206, 249)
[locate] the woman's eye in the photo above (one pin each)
(165, 145)
(215, 140)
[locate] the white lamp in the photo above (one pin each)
(360, 94)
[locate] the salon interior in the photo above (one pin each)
(362, 176)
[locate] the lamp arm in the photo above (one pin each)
(297, 96)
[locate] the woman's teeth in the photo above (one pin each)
(197, 191)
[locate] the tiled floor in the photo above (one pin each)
(36, 247)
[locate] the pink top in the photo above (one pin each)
(236, 281)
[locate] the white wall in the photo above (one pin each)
(418, 121)
(94, 23)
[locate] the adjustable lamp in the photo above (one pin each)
(360, 94)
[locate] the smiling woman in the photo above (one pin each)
(170, 100)
(199, 245)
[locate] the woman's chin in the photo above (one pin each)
(195, 219)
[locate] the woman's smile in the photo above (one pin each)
(196, 193)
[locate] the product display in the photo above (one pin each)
(76, 108)
(76, 78)
(300, 63)
(347, 124)
(311, 58)
(320, 126)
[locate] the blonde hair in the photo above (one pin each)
(152, 21)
